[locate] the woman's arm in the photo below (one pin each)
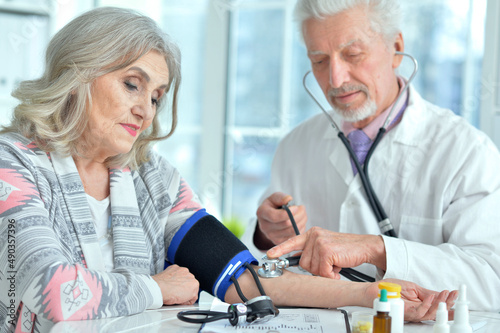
(51, 279)
(313, 291)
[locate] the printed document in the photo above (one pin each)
(308, 320)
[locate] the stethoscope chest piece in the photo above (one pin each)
(271, 268)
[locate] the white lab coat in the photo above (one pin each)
(438, 180)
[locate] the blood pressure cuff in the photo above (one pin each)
(210, 251)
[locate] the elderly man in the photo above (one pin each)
(435, 175)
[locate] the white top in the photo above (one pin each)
(101, 215)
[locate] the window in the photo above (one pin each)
(243, 64)
(489, 94)
(27, 26)
(185, 23)
(447, 38)
(25, 33)
(267, 62)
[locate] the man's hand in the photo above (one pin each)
(177, 285)
(326, 252)
(274, 226)
(420, 303)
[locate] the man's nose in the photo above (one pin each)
(339, 73)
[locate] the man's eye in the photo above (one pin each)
(319, 62)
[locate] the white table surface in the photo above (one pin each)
(165, 320)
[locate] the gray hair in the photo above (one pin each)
(53, 110)
(385, 15)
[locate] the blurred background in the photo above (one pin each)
(242, 68)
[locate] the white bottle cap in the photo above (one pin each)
(441, 325)
(442, 314)
(461, 317)
(462, 294)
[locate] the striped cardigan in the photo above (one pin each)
(50, 261)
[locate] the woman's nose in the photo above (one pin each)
(145, 109)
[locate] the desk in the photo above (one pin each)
(165, 320)
(153, 321)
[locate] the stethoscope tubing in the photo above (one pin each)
(378, 210)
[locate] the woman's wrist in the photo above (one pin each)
(370, 293)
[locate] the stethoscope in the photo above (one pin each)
(383, 221)
(274, 267)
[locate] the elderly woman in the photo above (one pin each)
(89, 215)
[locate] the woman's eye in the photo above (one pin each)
(130, 86)
(154, 101)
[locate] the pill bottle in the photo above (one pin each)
(397, 311)
(362, 322)
(382, 320)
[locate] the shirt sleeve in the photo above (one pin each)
(157, 294)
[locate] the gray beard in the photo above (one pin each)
(368, 109)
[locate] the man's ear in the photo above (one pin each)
(399, 45)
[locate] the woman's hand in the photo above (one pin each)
(177, 285)
(420, 303)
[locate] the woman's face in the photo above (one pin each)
(124, 104)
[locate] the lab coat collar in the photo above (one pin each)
(339, 157)
(341, 161)
(331, 132)
(411, 130)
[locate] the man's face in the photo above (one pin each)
(353, 65)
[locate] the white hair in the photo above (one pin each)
(385, 15)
